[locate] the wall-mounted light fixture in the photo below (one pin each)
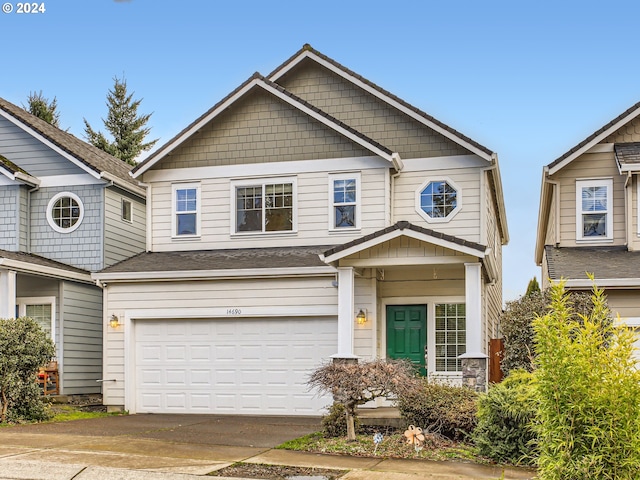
(361, 317)
(114, 322)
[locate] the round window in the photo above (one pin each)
(65, 212)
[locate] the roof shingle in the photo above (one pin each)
(603, 262)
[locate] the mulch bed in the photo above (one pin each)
(275, 472)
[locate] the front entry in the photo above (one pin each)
(407, 333)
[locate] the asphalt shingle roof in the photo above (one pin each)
(603, 262)
(628, 153)
(229, 259)
(94, 158)
(37, 260)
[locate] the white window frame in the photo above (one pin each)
(601, 182)
(262, 182)
(174, 213)
(358, 203)
(454, 212)
(53, 201)
(22, 302)
(122, 216)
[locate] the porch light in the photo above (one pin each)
(361, 317)
(114, 321)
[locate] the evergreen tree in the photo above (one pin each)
(533, 287)
(41, 107)
(124, 124)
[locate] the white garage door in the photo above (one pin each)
(240, 366)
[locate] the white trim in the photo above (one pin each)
(8, 290)
(52, 222)
(473, 300)
(357, 204)
(633, 283)
(381, 262)
(452, 162)
(630, 321)
(69, 180)
(44, 271)
(174, 213)
(373, 91)
(346, 313)
(22, 302)
(124, 200)
(585, 148)
(252, 170)
(586, 183)
(49, 144)
(234, 184)
(214, 274)
(418, 200)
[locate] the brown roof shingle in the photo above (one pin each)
(603, 262)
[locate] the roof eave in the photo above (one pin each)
(43, 270)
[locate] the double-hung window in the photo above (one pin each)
(451, 336)
(186, 210)
(264, 206)
(344, 201)
(594, 210)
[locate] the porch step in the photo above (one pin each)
(381, 417)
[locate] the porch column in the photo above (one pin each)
(7, 294)
(345, 313)
(474, 361)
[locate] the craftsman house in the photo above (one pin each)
(309, 215)
(589, 216)
(66, 209)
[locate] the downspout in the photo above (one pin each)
(628, 183)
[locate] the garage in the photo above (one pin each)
(252, 366)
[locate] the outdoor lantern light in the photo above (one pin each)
(113, 321)
(361, 317)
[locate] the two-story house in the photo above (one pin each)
(588, 220)
(66, 209)
(309, 215)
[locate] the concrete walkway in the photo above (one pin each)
(185, 447)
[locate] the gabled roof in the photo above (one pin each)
(41, 266)
(593, 139)
(14, 172)
(258, 81)
(612, 266)
(408, 229)
(307, 51)
(91, 159)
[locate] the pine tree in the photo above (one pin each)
(41, 107)
(532, 287)
(124, 124)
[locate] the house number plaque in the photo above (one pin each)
(234, 311)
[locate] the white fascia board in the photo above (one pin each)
(587, 147)
(139, 191)
(451, 162)
(42, 270)
(384, 98)
(633, 283)
(283, 272)
(50, 144)
(69, 180)
(407, 233)
(186, 135)
(322, 119)
(252, 170)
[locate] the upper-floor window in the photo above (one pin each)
(594, 209)
(264, 206)
(344, 203)
(65, 212)
(186, 210)
(127, 210)
(438, 200)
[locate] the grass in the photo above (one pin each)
(393, 445)
(68, 413)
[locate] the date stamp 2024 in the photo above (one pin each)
(24, 8)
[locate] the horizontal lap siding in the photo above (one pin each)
(589, 166)
(303, 292)
(82, 325)
(312, 214)
(123, 239)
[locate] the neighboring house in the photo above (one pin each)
(309, 215)
(589, 216)
(66, 209)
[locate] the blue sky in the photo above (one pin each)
(526, 79)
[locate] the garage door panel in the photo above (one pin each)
(249, 366)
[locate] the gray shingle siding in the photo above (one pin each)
(81, 248)
(9, 217)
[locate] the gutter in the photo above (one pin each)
(140, 192)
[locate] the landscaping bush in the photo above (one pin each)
(440, 408)
(506, 413)
(517, 329)
(24, 348)
(587, 389)
(333, 423)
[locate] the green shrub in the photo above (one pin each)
(505, 431)
(24, 348)
(334, 423)
(440, 408)
(588, 392)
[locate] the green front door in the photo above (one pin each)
(407, 333)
